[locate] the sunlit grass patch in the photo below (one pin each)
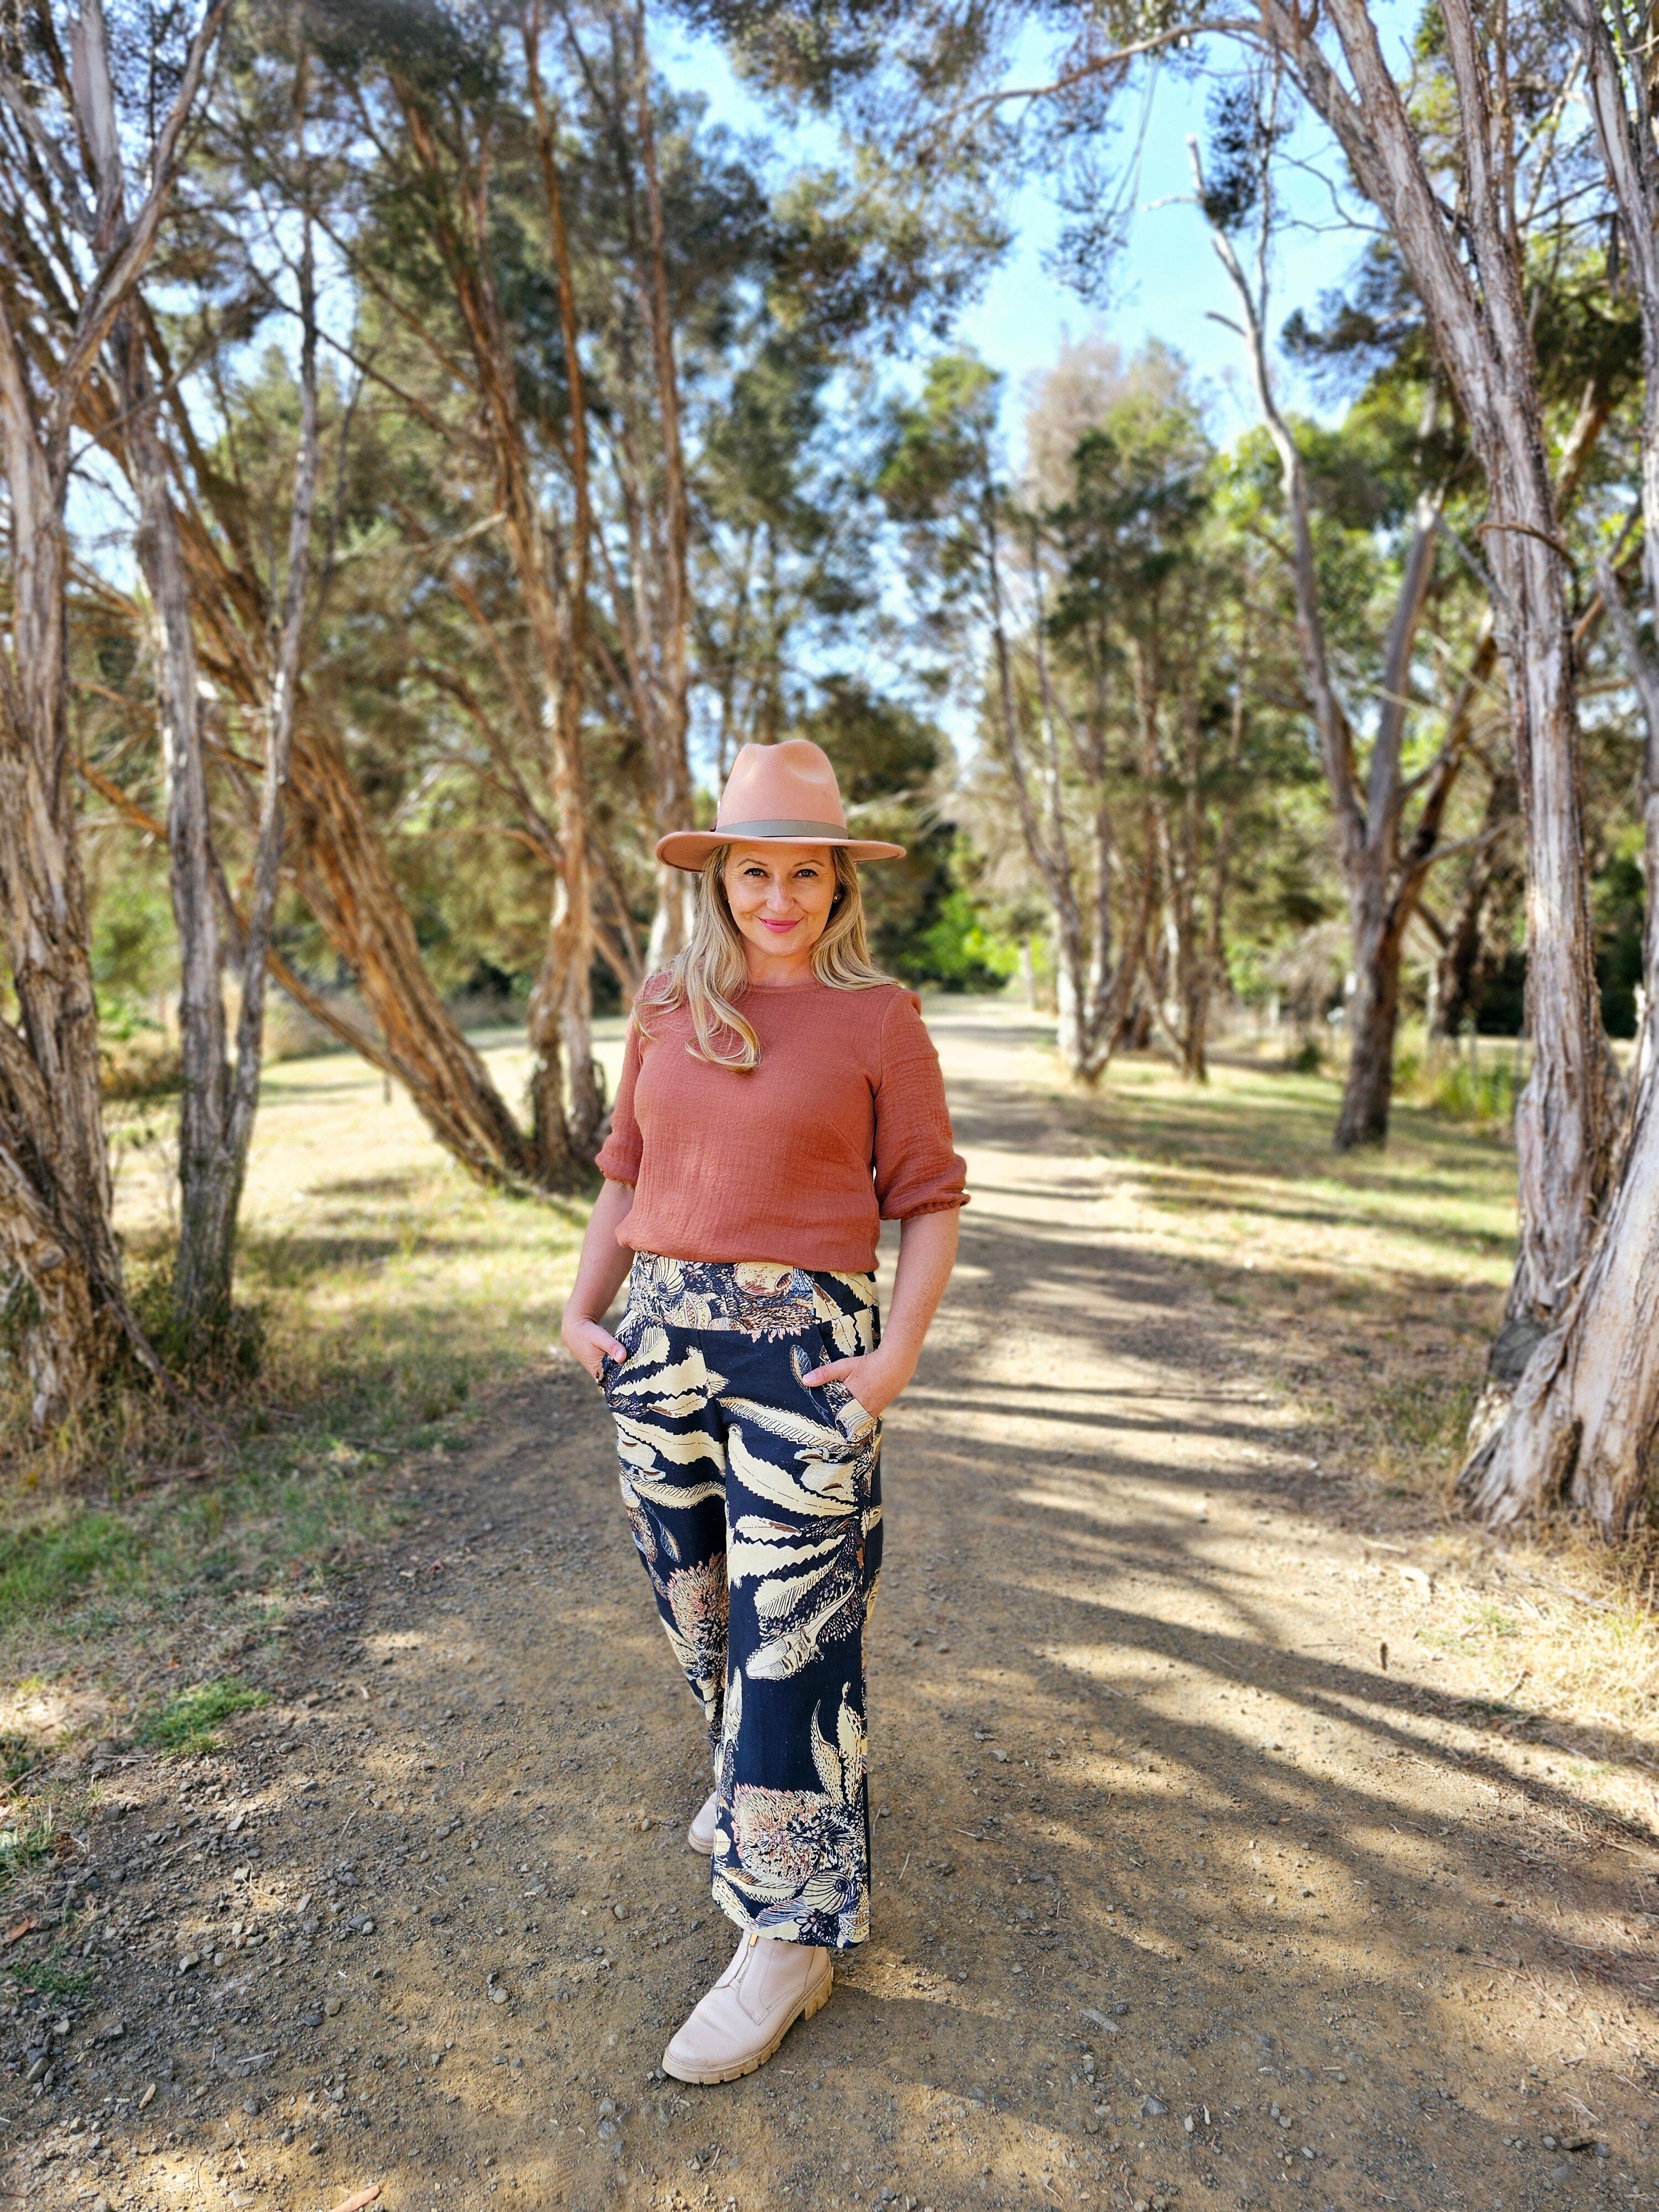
(385, 1294)
(28, 1834)
(51, 1977)
(1414, 1429)
(187, 1723)
(46, 1564)
(1490, 1619)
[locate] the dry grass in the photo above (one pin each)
(388, 1296)
(392, 1296)
(1368, 1289)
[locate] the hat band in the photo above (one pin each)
(804, 832)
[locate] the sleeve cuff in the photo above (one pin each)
(952, 1205)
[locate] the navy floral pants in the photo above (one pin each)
(756, 1505)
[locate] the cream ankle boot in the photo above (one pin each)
(700, 1834)
(768, 1987)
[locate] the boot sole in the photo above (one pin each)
(805, 2011)
(703, 1850)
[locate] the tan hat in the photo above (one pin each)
(785, 792)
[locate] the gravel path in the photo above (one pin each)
(1183, 1899)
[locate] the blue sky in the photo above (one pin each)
(1168, 283)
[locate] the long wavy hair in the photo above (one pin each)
(710, 976)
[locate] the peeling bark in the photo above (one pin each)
(339, 858)
(55, 1198)
(1383, 871)
(561, 1005)
(1585, 1414)
(1467, 270)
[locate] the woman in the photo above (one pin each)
(779, 1097)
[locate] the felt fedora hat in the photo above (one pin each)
(782, 794)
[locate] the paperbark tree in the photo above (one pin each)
(218, 1102)
(924, 79)
(1094, 978)
(1385, 862)
(1585, 1416)
(1466, 262)
(456, 170)
(939, 484)
(338, 856)
(54, 1177)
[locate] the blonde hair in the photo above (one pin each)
(710, 976)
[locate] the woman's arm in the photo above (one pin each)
(928, 1252)
(600, 1273)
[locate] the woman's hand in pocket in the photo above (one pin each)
(875, 1378)
(590, 1343)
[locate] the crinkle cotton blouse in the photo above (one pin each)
(842, 1126)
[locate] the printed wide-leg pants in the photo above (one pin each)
(756, 1505)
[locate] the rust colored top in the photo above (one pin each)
(842, 1126)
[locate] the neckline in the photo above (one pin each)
(785, 990)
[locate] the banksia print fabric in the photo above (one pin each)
(755, 1505)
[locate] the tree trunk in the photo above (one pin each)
(1384, 882)
(1585, 1414)
(230, 1163)
(54, 1172)
(55, 1195)
(346, 879)
(560, 1006)
(340, 861)
(1082, 989)
(201, 1279)
(671, 923)
(1373, 1022)
(1469, 274)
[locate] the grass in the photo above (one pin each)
(187, 1723)
(28, 1834)
(1367, 1284)
(1476, 1083)
(390, 1295)
(50, 1976)
(46, 1562)
(1367, 1289)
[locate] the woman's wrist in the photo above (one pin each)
(897, 1358)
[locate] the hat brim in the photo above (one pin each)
(690, 848)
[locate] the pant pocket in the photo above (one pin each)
(856, 1420)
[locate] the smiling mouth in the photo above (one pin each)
(782, 927)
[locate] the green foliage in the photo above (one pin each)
(51, 1976)
(23, 1843)
(186, 1724)
(956, 952)
(1619, 895)
(45, 1565)
(1308, 1058)
(1481, 1094)
(889, 762)
(939, 445)
(133, 951)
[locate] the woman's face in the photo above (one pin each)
(779, 896)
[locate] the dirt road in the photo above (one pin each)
(1183, 1899)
